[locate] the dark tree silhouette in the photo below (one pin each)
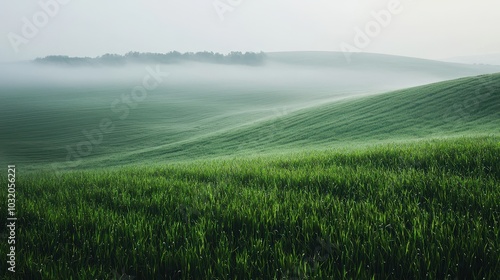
(248, 58)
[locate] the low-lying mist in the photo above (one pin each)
(326, 73)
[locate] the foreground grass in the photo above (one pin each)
(414, 211)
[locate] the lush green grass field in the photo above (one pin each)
(243, 179)
(423, 210)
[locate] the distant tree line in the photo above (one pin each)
(247, 58)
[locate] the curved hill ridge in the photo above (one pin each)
(462, 107)
(375, 61)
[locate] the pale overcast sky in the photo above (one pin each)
(419, 28)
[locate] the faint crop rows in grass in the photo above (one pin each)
(425, 210)
(193, 121)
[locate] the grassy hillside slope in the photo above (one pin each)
(467, 106)
(205, 110)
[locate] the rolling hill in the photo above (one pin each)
(487, 59)
(453, 108)
(294, 100)
(462, 107)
